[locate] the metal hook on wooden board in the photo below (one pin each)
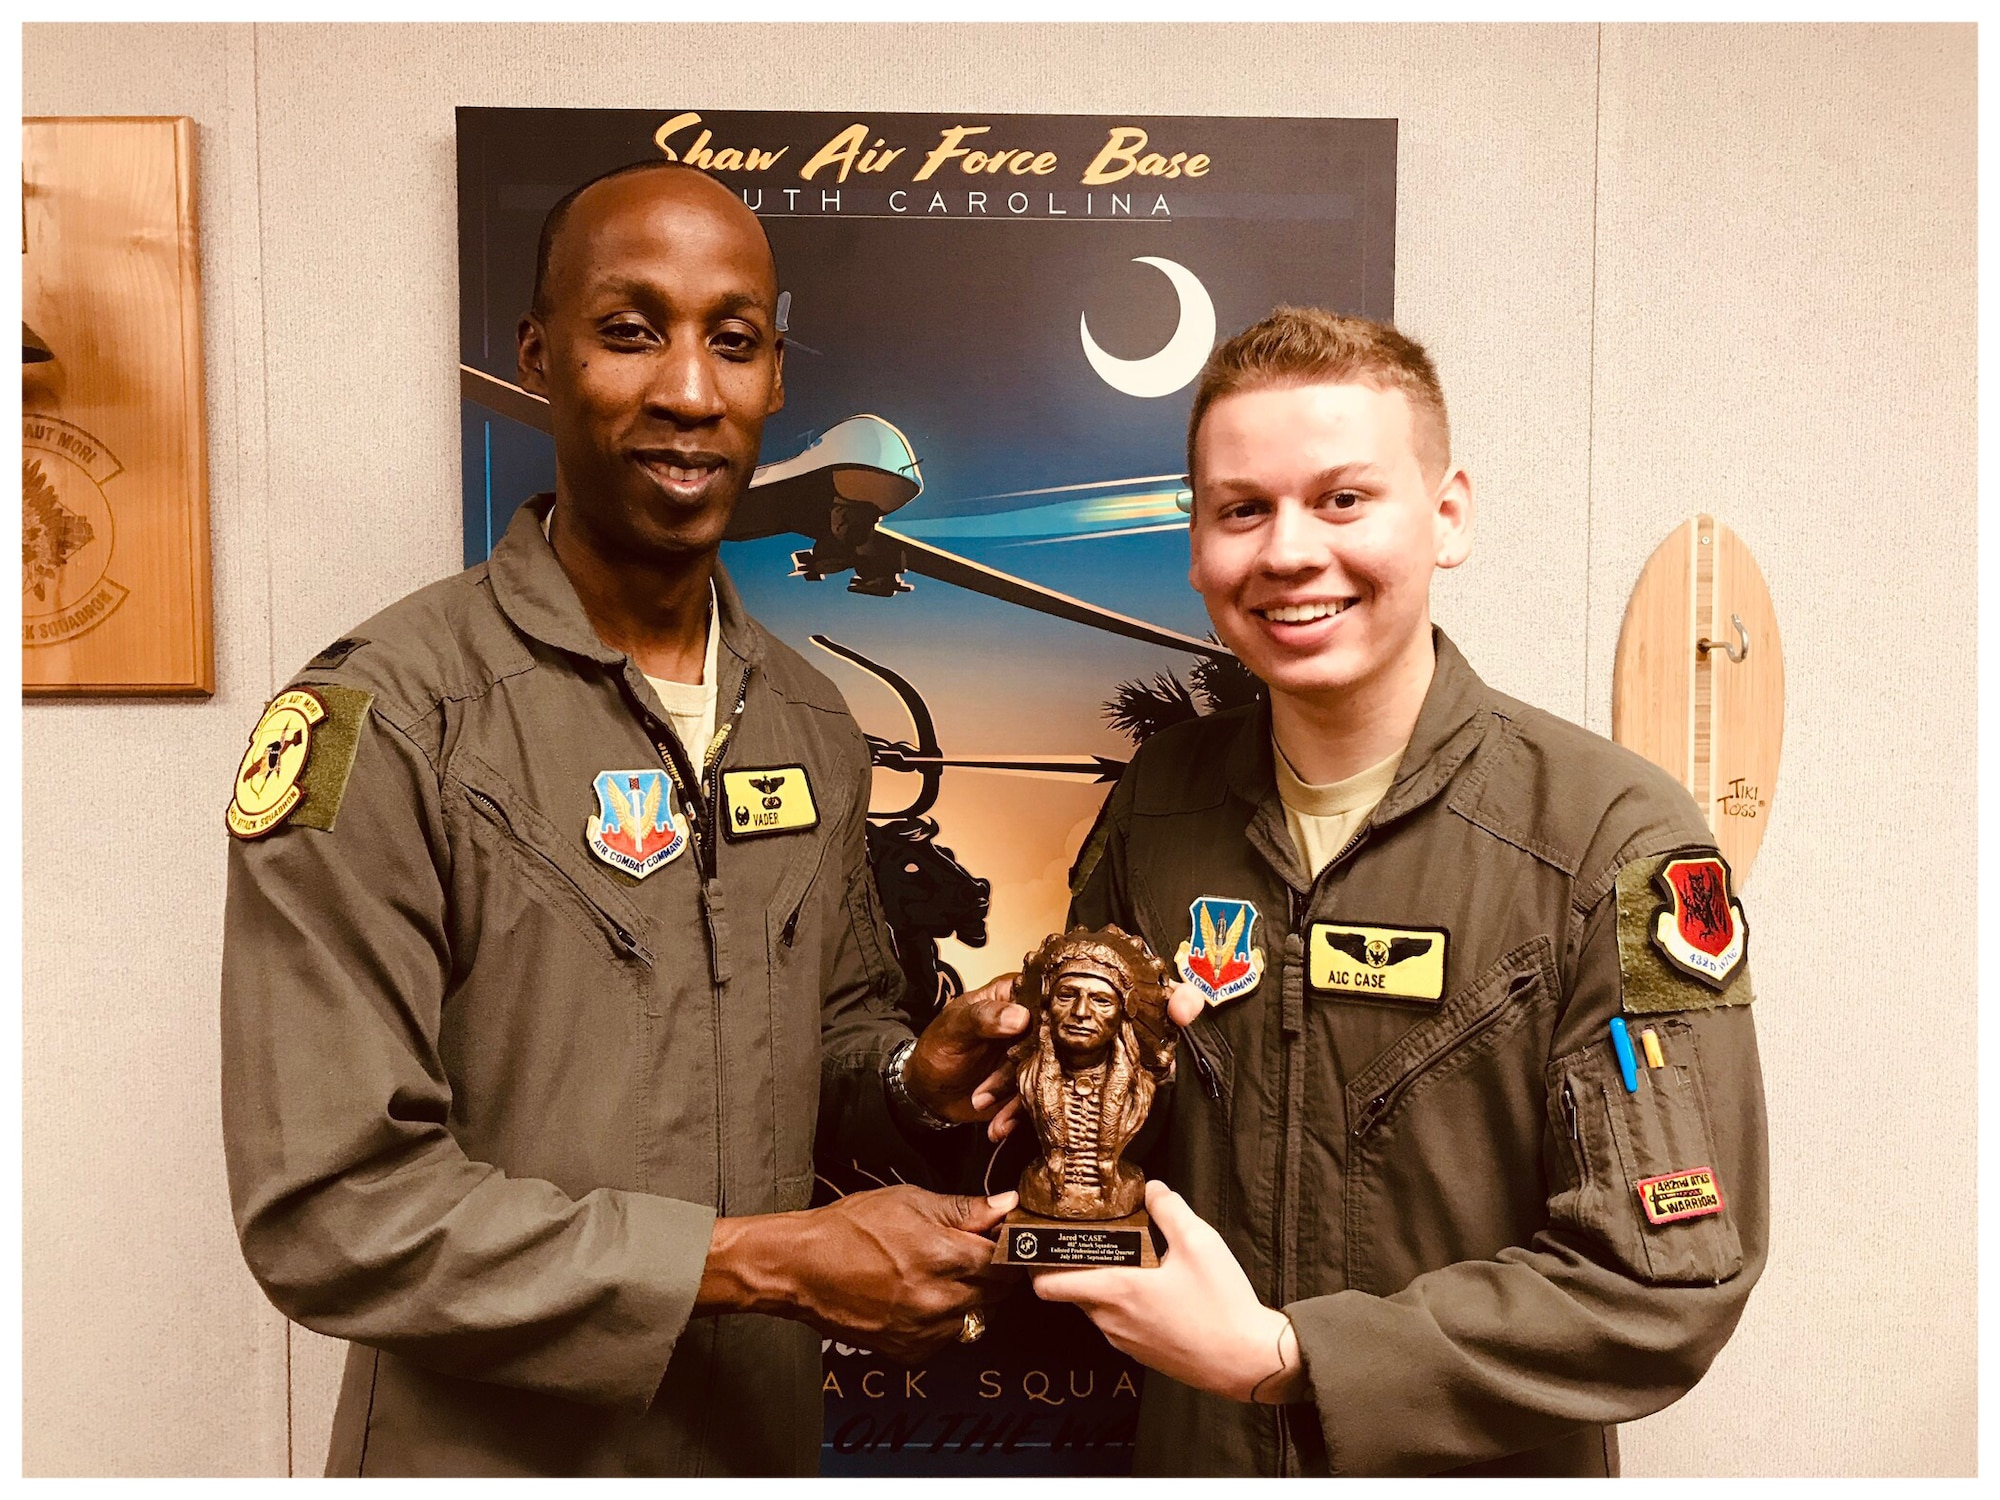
(1734, 653)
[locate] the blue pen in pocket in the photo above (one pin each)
(1628, 1062)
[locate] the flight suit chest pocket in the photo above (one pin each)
(514, 842)
(1648, 1185)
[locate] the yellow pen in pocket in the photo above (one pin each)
(1649, 1039)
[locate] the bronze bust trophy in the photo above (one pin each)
(1097, 1048)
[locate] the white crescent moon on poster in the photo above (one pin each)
(1181, 360)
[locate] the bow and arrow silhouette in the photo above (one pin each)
(927, 894)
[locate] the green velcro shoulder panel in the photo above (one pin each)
(1650, 984)
(334, 741)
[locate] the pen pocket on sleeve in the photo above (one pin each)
(1648, 1182)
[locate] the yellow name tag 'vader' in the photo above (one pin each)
(1377, 963)
(778, 800)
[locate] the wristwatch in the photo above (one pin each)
(900, 1095)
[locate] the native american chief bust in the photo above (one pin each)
(1098, 1047)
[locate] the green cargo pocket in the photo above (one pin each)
(1648, 1185)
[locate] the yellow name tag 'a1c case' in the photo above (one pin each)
(1377, 963)
(777, 800)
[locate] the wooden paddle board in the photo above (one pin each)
(1715, 723)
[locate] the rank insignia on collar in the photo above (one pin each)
(267, 780)
(636, 828)
(1220, 957)
(775, 800)
(1701, 931)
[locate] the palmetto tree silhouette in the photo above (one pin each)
(1139, 710)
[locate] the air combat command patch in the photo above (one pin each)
(1220, 957)
(296, 766)
(1682, 935)
(635, 827)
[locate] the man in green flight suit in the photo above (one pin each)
(552, 950)
(1466, 1157)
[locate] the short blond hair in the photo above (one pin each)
(1311, 346)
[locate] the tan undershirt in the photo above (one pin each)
(690, 706)
(1323, 818)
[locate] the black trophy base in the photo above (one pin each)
(1037, 1244)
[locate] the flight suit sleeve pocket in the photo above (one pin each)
(1647, 1184)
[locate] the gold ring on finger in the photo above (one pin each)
(974, 1326)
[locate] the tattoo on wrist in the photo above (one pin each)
(1284, 1366)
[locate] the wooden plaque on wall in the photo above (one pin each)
(114, 482)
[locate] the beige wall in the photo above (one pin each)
(1663, 271)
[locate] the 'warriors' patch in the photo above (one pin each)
(1220, 957)
(1685, 952)
(635, 828)
(778, 800)
(1693, 1194)
(1377, 963)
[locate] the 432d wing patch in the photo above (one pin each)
(1682, 935)
(296, 766)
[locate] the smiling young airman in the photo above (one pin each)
(1425, 1212)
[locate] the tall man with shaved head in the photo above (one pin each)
(530, 1028)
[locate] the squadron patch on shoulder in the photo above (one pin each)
(1682, 935)
(1220, 957)
(774, 800)
(1692, 1194)
(1377, 963)
(296, 766)
(267, 781)
(636, 827)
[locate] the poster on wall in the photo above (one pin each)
(969, 516)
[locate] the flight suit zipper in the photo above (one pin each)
(1293, 1028)
(701, 796)
(1378, 1108)
(798, 902)
(1204, 1069)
